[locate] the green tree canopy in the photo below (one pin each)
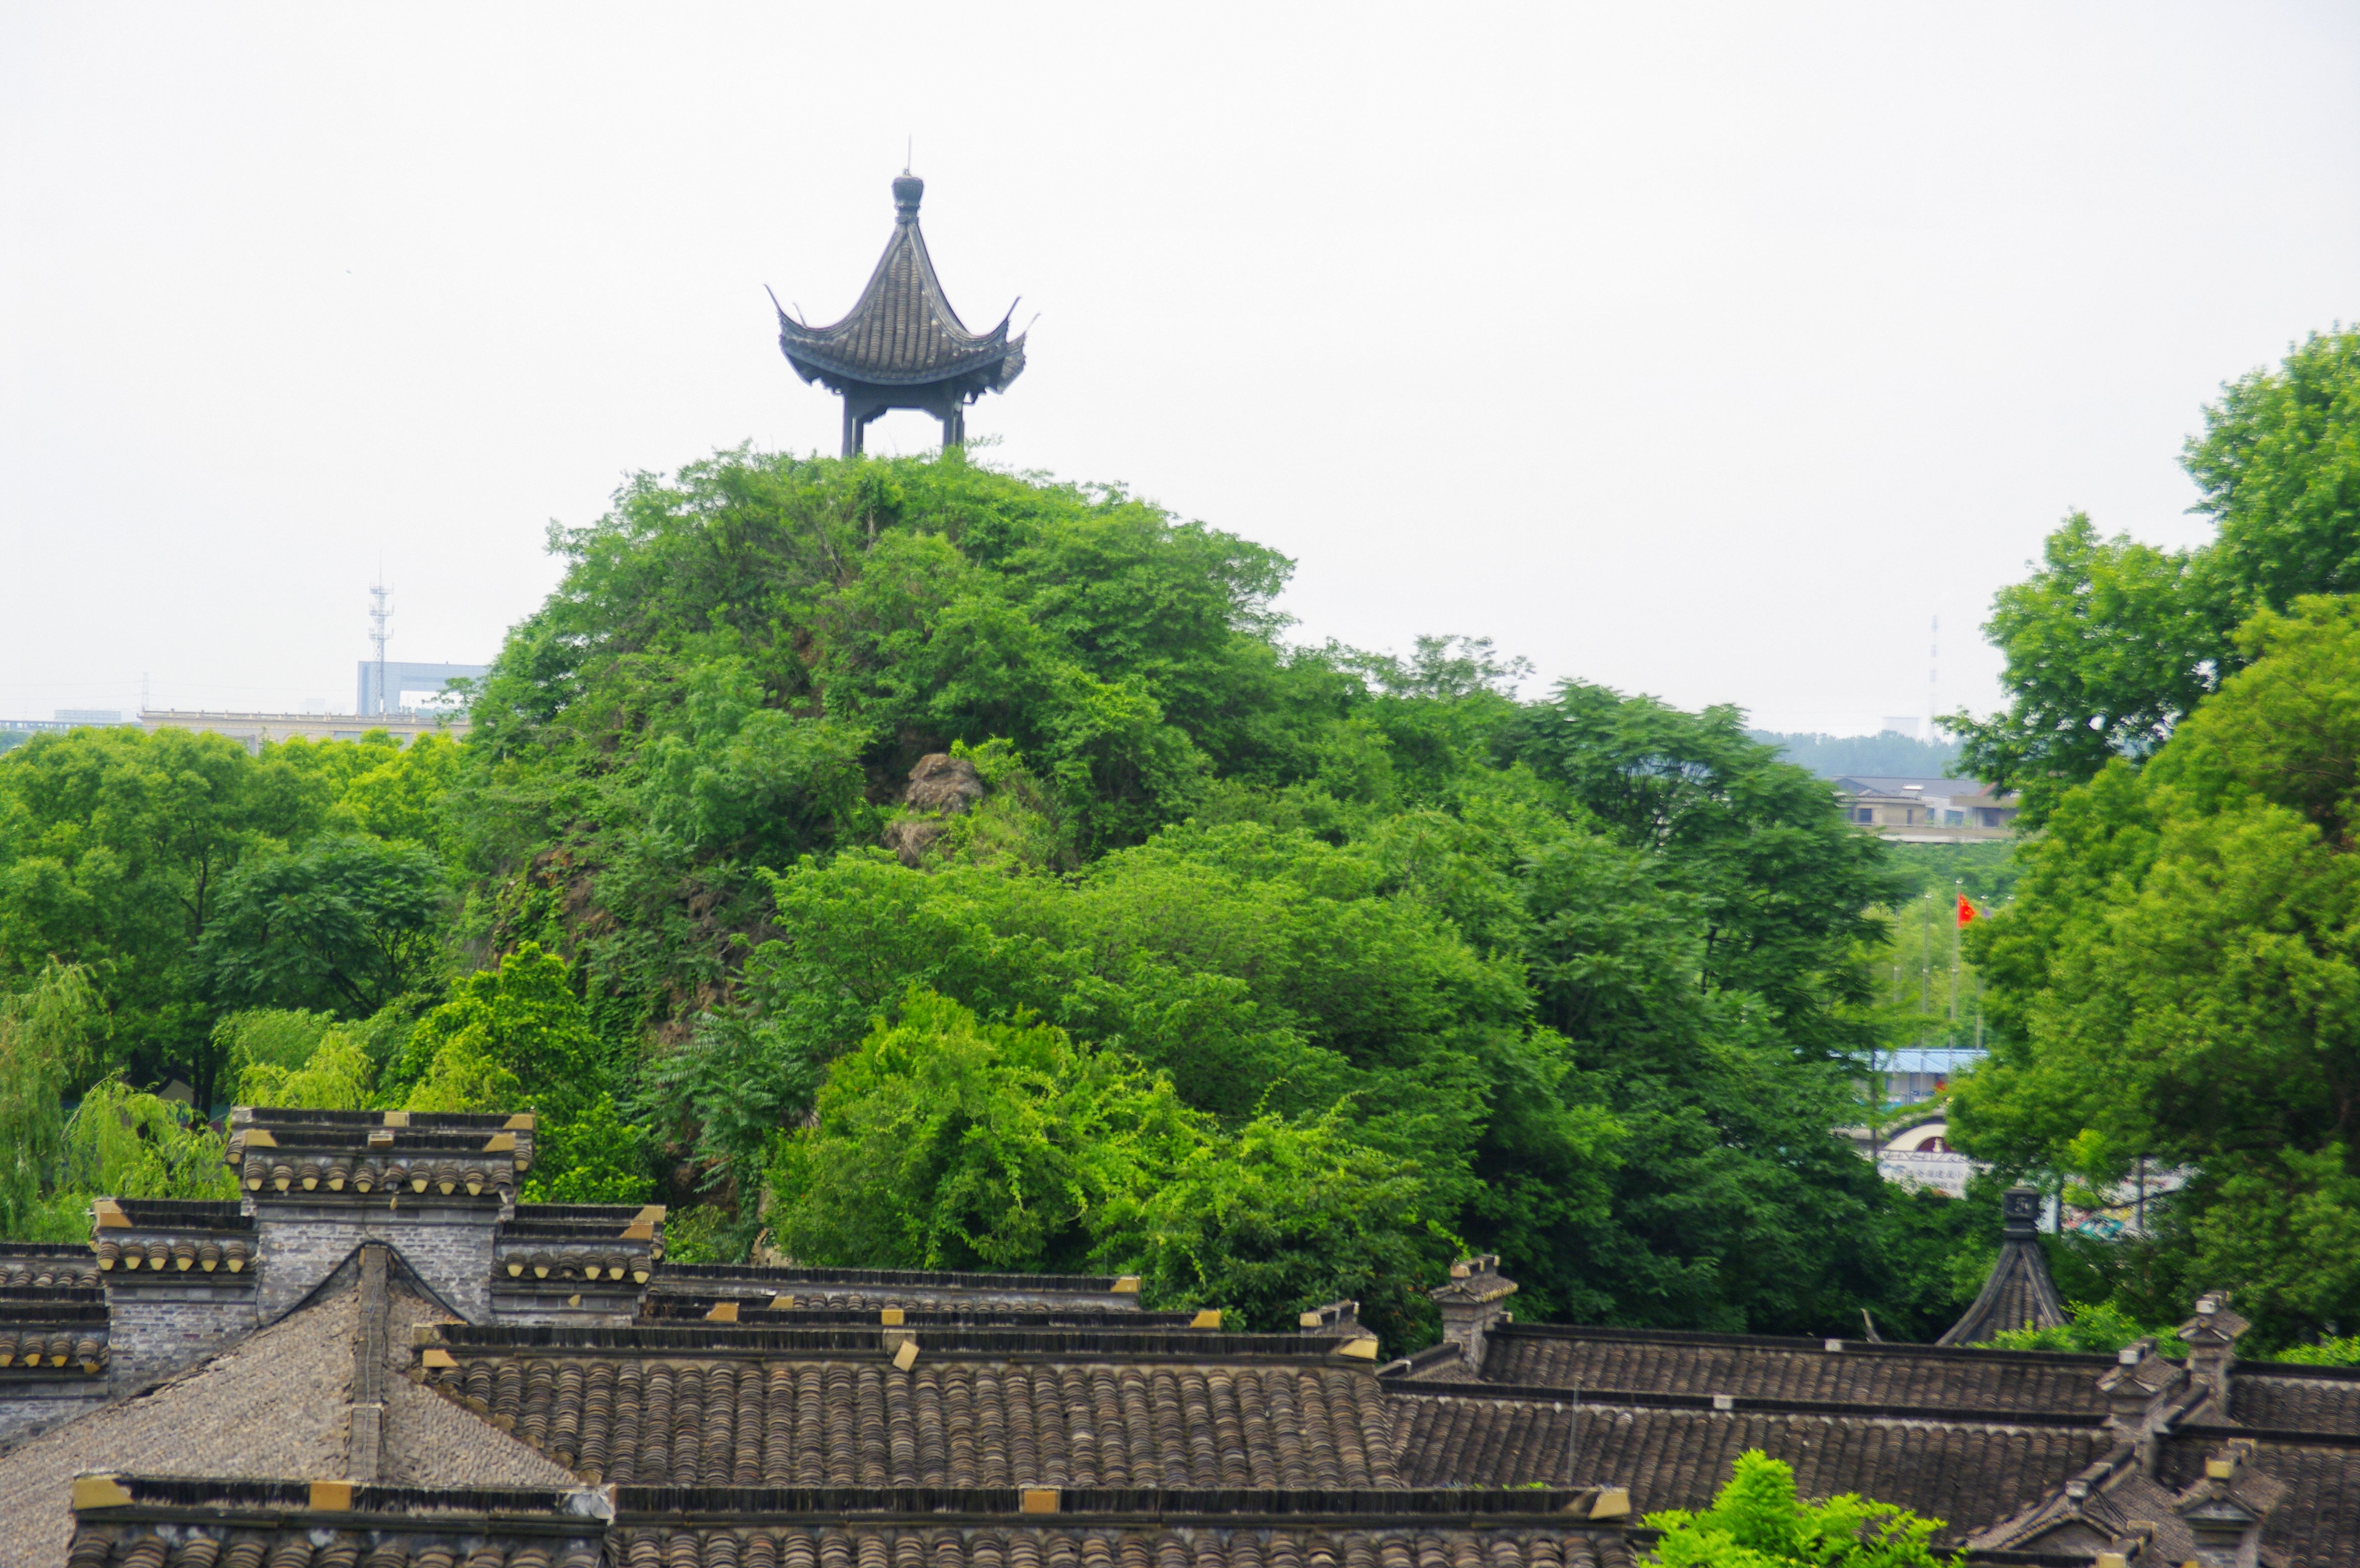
(2110, 643)
(346, 922)
(1756, 1520)
(518, 1038)
(1414, 958)
(2177, 979)
(122, 852)
(46, 1034)
(947, 1141)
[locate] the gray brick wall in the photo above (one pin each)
(32, 1405)
(448, 1246)
(156, 1330)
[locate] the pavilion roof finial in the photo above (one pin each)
(908, 191)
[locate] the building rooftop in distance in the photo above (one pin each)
(257, 729)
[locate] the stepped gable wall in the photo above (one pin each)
(55, 1337)
(449, 1245)
(197, 1522)
(40, 1266)
(53, 1358)
(180, 1279)
(319, 1183)
(585, 1264)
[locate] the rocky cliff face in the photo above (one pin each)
(941, 786)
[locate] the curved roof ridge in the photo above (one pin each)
(2019, 1294)
(903, 330)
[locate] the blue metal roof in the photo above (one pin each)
(1940, 1059)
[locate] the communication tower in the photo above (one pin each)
(380, 616)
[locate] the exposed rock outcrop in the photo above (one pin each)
(941, 786)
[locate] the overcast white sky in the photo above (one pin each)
(1702, 350)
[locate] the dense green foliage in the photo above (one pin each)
(2111, 642)
(1756, 1520)
(943, 1141)
(2093, 1329)
(1271, 974)
(2177, 979)
(187, 876)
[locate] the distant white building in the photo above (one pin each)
(1927, 811)
(397, 686)
(254, 730)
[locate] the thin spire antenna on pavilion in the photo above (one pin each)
(901, 346)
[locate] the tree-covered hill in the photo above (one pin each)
(1273, 974)
(1572, 976)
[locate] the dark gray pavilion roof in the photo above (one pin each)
(2019, 1294)
(902, 332)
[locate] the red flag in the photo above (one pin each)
(1966, 910)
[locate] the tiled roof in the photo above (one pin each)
(143, 1519)
(168, 1521)
(922, 1545)
(40, 1266)
(151, 1522)
(1856, 1371)
(903, 331)
(344, 1155)
(2114, 1504)
(790, 1311)
(873, 1289)
(272, 1404)
(2297, 1398)
(144, 1240)
(1967, 1472)
(1474, 1280)
(900, 1279)
(52, 1330)
(2318, 1523)
(185, 1214)
(873, 1301)
(991, 1408)
(592, 1261)
(2019, 1294)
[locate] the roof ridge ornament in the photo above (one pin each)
(2018, 1293)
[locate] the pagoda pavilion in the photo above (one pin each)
(901, 346)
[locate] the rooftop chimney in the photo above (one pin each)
(1470, 1306)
